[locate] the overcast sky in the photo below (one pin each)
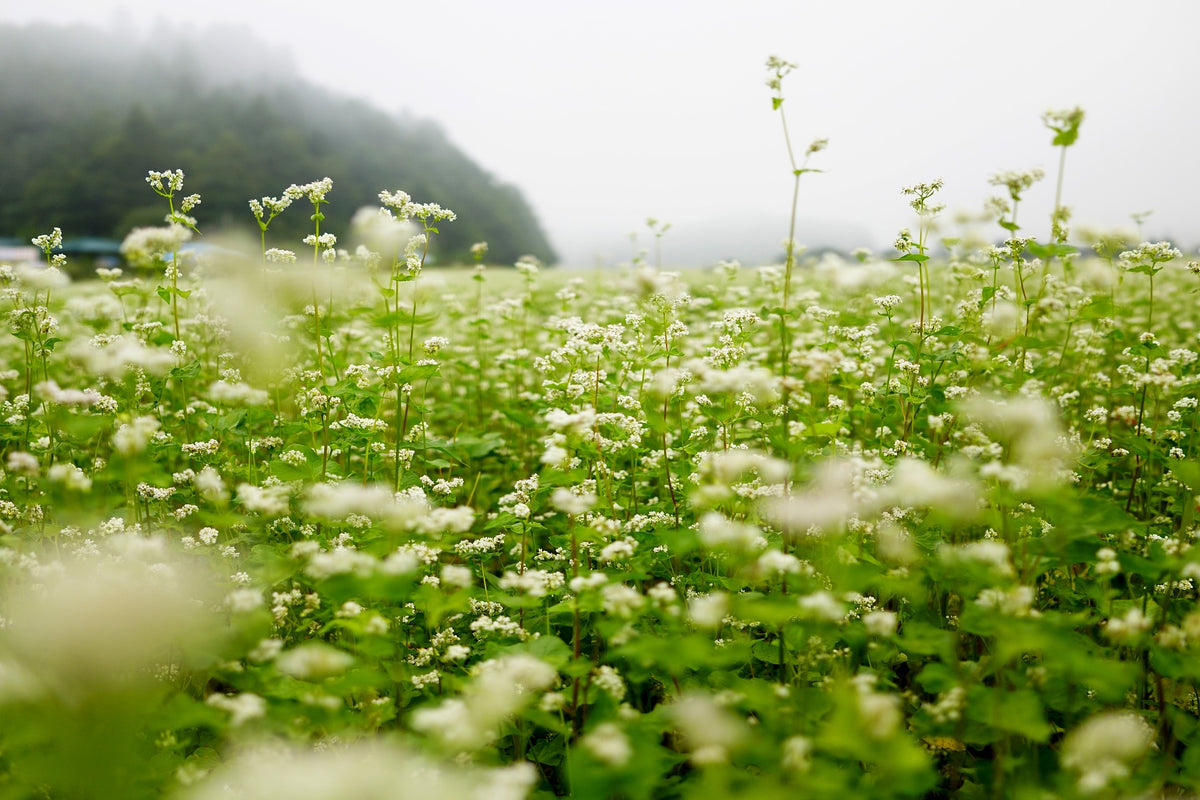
(606, 113)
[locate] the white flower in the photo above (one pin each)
(313, 661)
(609, 744)
(1029, 430)
(236, 394)
(314, 191)
(456, 575)
(796, 750)
(363, 771)
(344, 561)
(728, 467)
(881, 623)
(569, 502)
(146, 247)
(1127, 628)
(338, 501)
(241, 707)
(621, 600)
(715, 530)
(456, 653)
(915, 484)
(1104, 747)
(270, 501)
(880, 713)
(120, 355)
(710, 731)
(500, 687)
(49, 241)
(22, 463)
(834, 496)
(103, 622)
(244, 601)
(581, 422)
(822, 605)
(208, 482)
(987, 552)
(70, 476)
(707, 610)
(618, 550)
(1015, 602)
(533, 582)
(608, 680)
(775, 562)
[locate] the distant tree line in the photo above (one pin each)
(84, 113)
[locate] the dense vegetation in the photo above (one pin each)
(326, 525)
(83, 112)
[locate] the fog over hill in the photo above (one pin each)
(85, 112)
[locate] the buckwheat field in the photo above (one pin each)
(301, 520)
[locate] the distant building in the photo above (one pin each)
(14, 251)
(88, 248)
(91, 247)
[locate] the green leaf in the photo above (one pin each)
(766, 652)
(479, 446)
(775, 311)
(937, 678)
(230, 420)
(1187, 473)
(1146, 269)
(189, 370)
(925, 639)
(1052, 250)
(1018, 712)
(1065, 137)
(551, 751)
(551, 649)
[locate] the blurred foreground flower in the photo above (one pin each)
(88, 657)
(362, 772)
(711, 731)
(501, 687)
(104, 622)
(1104, 748)
(1036, 452)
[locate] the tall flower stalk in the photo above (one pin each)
(167, 184)
(315, 193)
(777, 70)
(478, 251)
(265, 211)
(1148, 260)
(1017, 183)
(917, 252)
(1065, 124)
(400, 207)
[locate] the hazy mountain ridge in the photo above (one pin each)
(85, 112)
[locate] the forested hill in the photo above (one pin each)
(85, 112)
